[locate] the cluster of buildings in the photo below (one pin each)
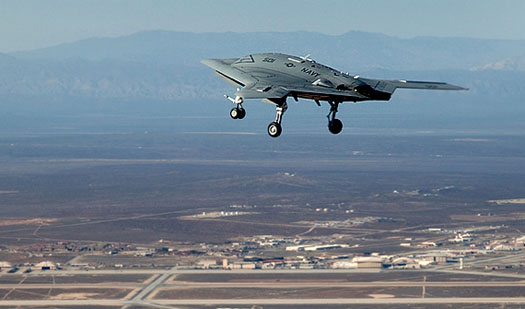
(506, 244)
(472, 238)
(373, 261)
(44, 265)
(61, 247)
(432, 246)
(314, 253)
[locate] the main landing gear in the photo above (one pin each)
(238, 112)
(274, 128)
(335, 126)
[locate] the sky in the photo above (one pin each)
(32, 24)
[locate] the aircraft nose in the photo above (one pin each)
(212, 63)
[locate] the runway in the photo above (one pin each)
(164, 289)
(160, 281)
(325, 284)
(268, 301)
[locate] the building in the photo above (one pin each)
(428, 244)
(520, 242)
(242, 265)
(272, 263)
(46, 265)
(405, 263)
(437, 257)
(5, 265)
(503, 247)
(462, 238)
(425, 263)
(344, 265)
(295, 248)
(368, 261)
(207, 264)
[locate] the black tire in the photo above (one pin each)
(234, 113)
(335, 126)
(274, 129)
(241, 113)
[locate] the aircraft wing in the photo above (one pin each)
(390, 86)
(370, 89)
(410, 84)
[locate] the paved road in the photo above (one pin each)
(140, 296)
(334, 301)
(269, 301)
(109, 285)
(146, 289)
(506, 257)
(200, 271)
(268, 271)
(477, 273)
(331, 284)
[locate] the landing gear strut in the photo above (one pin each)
(274, 128)
(237, 112)
(335, 126)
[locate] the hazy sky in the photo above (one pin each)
(29, 24)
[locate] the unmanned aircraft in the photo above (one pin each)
(273, 77)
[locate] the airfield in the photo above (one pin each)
(297, 288)
(159, 217)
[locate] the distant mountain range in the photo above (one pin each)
(163, 66)
(350, 51)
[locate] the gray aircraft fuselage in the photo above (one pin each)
(273, 77)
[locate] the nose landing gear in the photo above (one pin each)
(237, 112)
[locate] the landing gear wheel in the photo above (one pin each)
(335, 126)
(237, 113)
(274, 129)
(234, 113)
(241, 113)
